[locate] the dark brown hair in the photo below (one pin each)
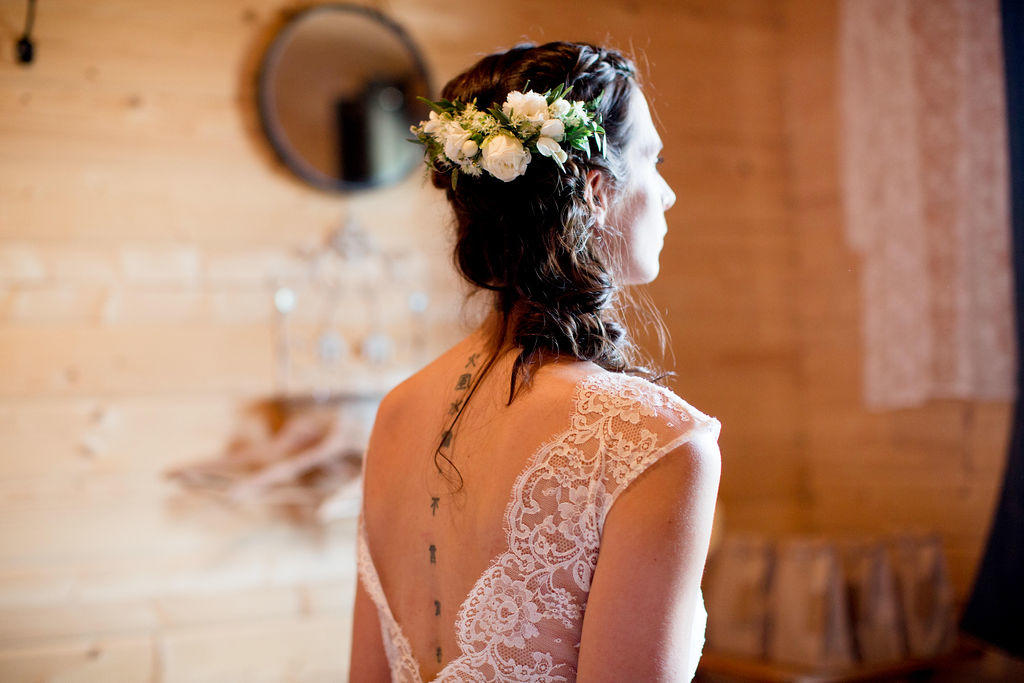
(532, 241)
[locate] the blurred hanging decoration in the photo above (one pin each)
(925, 197)
(25, 48)
(349, 325)
(352, 320)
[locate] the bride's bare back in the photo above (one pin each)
(429, 548)
(428, 544)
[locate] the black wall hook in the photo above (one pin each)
(25, 49)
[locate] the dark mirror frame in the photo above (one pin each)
(273, 132)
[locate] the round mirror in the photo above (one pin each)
(337, 94)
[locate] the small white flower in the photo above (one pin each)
(433, 124)
(484, 123)
(504, 157)
(550, 148)
(469, 148)
(554, 129)
(559, 107)
(530, 106)
(577, 115)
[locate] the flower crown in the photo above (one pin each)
(461, 138)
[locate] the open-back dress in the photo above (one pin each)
(523, 618)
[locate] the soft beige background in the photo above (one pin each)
(140, 210)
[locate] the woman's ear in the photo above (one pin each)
(596, 194)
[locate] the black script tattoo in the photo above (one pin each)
(433, 549)
(437, 607)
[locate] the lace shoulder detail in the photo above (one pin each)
(637, 422)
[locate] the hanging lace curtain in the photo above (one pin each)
(924, 186)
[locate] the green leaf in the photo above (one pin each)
(433, 105)
(455, 177)
(500, 115)
(557, 92)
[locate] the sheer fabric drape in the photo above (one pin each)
(924, 184)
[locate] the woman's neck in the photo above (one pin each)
(489, 332)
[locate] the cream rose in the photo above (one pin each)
(554, 129)
(550, 148)
(559, 107)
(530, 105)
(504, 157)
(455, 139)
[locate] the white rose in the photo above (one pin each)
(550, 148)
(559, 107)
(530, 105)
(455, 137)
(504, 157)
(554, 129)
(469, 148)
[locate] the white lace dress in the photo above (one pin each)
(523, 617)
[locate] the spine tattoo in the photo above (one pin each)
(455, 408)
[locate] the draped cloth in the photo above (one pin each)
(924, 190)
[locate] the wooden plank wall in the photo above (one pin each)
(936, 467)
(141, 210)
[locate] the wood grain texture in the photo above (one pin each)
(141, 213)
(935, 467)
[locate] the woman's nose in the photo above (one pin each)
(670, 197)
